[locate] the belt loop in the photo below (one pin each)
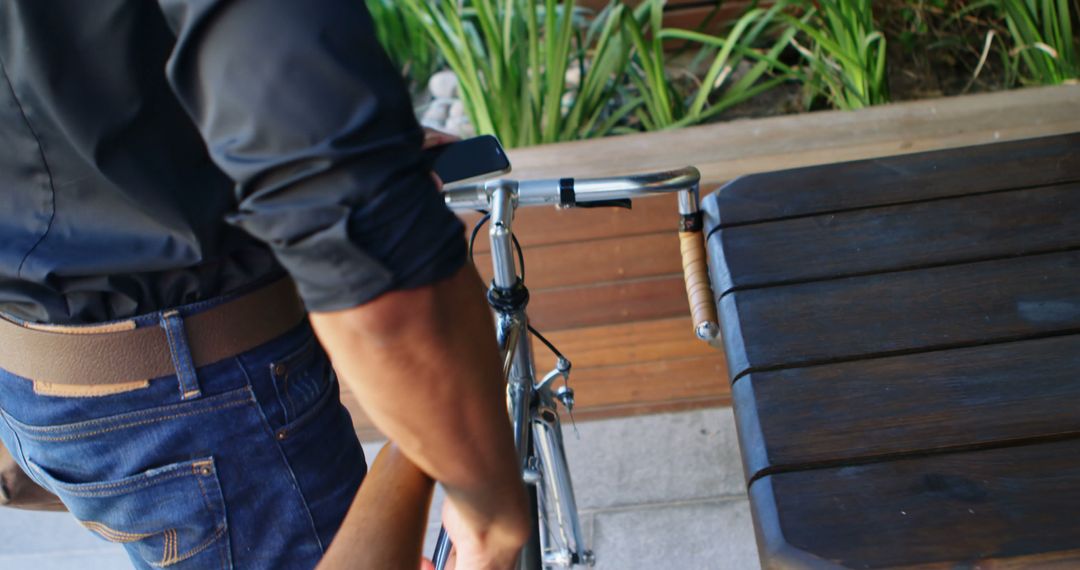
(181, 354)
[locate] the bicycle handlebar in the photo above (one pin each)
(568, 193)
(554, 191)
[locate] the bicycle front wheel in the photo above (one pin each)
(532, 555)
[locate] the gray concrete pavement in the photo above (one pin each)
(656, 492)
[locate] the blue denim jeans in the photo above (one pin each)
(255, 471)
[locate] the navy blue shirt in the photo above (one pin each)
(157, 154)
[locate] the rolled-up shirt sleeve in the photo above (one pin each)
(300, 106)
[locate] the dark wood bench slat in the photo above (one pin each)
(879, 315)
(886, 239)
(852, 411)
(894, 180)
(1000, 508)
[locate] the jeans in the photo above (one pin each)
(256, 471)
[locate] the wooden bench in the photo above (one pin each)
(903, 339)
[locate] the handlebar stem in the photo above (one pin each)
(503, 198)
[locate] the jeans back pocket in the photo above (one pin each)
(168, 517)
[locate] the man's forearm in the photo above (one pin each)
(425, 364)
(385, 526)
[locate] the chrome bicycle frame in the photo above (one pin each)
(532, 405)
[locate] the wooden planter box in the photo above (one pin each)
(688, 14)
(607, 285)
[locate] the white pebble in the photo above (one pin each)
(437, 112)
(573, 76)
(461, 127)
(443, 84)
(457, 108)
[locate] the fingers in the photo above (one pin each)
(433, 137)
(426, 564)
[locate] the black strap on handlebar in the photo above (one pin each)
(692, 222)
(568, 198)
(623, 203)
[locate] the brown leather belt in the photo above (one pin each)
(95, 355)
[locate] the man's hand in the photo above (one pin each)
(473, 550)
(433, 138)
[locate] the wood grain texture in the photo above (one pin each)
(635, 389)
(545, 226)
(651, 384)
(884, 314)
(917, 234)
(704, 17)
(1000, 508)
(625, 369)
(603, 260)
(627, 343)
(619, 302)
(885, 407)
(904, 341)
(668, 385)
(670, 5)
(886, 181)
(725, 151)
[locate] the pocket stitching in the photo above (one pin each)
(130, 415)
(170, 548)
(113, 535)
(298, 354)
(324, 399)
(117, 427)
(290, 361)
(177, 558)
(106, 489)
(133, 483)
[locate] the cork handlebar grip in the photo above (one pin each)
(698, 291)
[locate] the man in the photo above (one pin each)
(155, 370)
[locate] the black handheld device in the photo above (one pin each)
(468, 159)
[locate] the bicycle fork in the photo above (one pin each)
(563, 545)
(538, 436)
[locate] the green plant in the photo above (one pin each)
(1044, 49)
(664, 104)
(512, 56)
(403, 37)
(846, 55)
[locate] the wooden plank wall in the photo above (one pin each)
(688, 14)
(606, 284)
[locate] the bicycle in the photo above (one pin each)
(533, 406)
